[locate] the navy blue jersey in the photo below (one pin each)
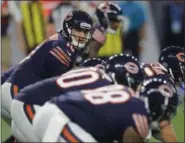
(51, 58)
(5, 75)
(105, 115)
(78, 79)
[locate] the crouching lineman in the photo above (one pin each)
(53, 57)
(29, 99)
(107, 114)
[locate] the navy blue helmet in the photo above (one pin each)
(108, 12)
(94, 62)
(79, 20)
(125, 69)
(173, 58)
(160, 97)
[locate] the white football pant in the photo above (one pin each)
(52, 125)
(6, 96)
(22, 116)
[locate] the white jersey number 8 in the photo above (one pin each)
(114, 97)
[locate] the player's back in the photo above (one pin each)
(104, 114)
(49, 59)
(77, 79)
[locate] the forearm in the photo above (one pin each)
(168, 133)
(94, 48)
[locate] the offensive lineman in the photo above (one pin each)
(173, 59)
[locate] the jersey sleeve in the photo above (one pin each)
(98, 35)
(135, 117)
(140, 123)
(7, 73)
(58, 61)
(40, 92)
(140, 120)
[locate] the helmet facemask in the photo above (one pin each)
(77, 41)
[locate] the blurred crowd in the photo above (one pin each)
(25, 24)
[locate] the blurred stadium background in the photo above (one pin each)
(159, 23)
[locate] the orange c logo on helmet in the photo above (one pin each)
(166, 91)
(131, 67)
(181, 57)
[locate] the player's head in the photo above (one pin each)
(125, 69)
(109, 16)
(77, 28)
(94, 62)
(160, 97)
(173, 58)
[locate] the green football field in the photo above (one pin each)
(178, 125)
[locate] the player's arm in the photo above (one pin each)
(7, 73)
(94, 48)
(167, 132)
(98, 39)
(130, 135)
(39, 92)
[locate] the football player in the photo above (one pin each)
(126, 70)
(109, 17)
(53, 57)
(173, 58)
(25, 104)
(161, 126)
(158, 70)
(107, 114)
